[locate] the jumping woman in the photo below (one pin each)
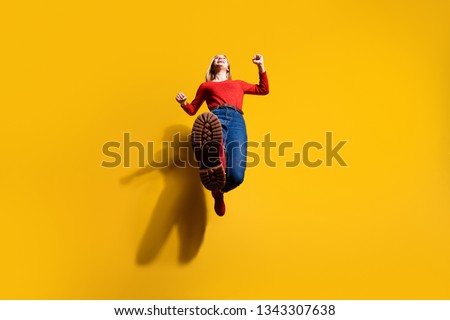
(219, 137)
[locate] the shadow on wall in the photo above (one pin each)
(181, 204)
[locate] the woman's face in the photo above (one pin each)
(221, 61)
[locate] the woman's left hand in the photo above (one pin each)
(259, 61)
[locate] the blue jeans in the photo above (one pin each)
(235, 144)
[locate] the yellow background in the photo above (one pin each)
(77, 74)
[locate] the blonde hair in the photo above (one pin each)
(211, 75)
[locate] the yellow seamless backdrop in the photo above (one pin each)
(78, 74)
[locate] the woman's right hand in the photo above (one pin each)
(181, 98)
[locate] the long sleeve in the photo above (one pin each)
(259, 89)
(192, 108)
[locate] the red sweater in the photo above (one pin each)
(228, 91)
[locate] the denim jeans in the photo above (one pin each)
(235, 144)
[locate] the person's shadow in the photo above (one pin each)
(181, 204)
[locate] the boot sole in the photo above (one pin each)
(206, 141)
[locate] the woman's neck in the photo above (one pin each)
(221, 76)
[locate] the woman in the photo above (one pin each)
(219, 137)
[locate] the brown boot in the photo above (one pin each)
(207, 144)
